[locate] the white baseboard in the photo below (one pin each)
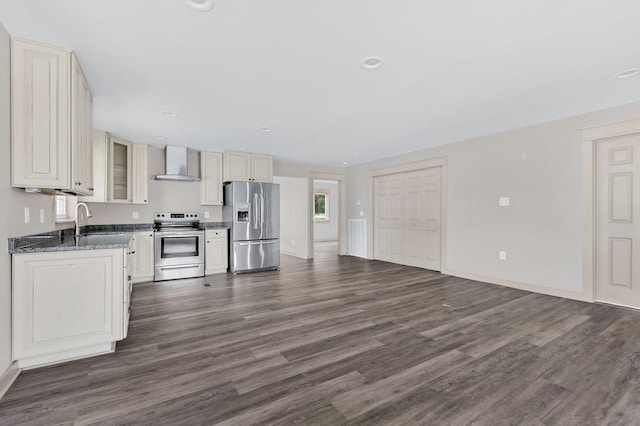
(8, 377)
(574, 295)
(290, 253)
(65, 356)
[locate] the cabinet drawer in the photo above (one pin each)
(219, 233)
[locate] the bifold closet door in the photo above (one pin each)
(407, 218)
(422, 199)
(388, 224)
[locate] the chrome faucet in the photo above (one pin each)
(76, 217)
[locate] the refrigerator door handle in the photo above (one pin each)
(261, 211)
(255, 211)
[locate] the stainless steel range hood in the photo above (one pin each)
(175, 158)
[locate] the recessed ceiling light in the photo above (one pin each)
(169, 114)
(200, 5)
(628, 73)
(371, 62)
(160, 138)
(345, 163)
(265, 129)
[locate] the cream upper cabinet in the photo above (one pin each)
(210, 178)
(51, 120)
(142, 257)
(67, 304)
(247, 166)
(120, 171)
(81, 129)
(100, 161)
(127, 175)
(216, 249)
(139, 173)
(262, 168)
(237, 166)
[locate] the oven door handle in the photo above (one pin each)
(164, 268)
(179, 234)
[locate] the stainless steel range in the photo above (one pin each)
(179, 246)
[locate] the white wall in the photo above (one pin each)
(14, 201)
(294, 215)
(163, 196)
(327, 231)
(538, 167)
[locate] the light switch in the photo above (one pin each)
(41, 215)
(26, 215)
(206, 215)
(361, 213)
(502, 255)
(503, 202)
(136, 215)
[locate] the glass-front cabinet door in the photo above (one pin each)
(120, 173)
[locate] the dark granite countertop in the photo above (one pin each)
(92, 237)
(64, 240)
(127, 227)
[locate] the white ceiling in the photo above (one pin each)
(452, 69)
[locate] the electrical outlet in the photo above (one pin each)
(41, 215)
(136, 215)
(502, 255)
(27, 216)
(293, 242)
(206, 214)
(503, 201)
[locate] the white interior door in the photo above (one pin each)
(407, 218)
(388, 223)
(618, 221)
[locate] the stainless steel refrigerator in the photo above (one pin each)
(253, 211)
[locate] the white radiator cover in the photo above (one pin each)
(358, 237)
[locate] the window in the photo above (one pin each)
(63, 207)
(321, 207)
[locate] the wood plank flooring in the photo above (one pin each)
(346, 341)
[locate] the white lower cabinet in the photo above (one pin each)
(216, 258)
(68, 304)
(142, 257)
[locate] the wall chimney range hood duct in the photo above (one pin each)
(175, 158)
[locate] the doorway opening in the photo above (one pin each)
(326, 218)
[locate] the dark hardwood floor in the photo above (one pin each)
(346, 341)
